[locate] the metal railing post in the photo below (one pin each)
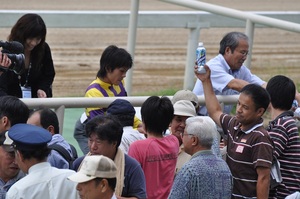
(191, 53)
(250, 33)
(60, 112)
(131, 41)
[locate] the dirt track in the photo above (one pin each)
(160, 53)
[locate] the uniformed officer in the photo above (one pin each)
(42, 180)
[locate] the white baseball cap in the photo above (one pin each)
(95, 166)
(184, 108)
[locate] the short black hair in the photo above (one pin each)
(157, 114)
(14, 109)
(258, 94)
(114, 57)
(112, 182)
(48, 117)
(39, 154)
(107, 127)
(282, 92)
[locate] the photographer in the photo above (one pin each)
(4, 61)
(36, 78)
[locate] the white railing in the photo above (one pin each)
(59, 104)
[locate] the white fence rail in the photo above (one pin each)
(59, 104)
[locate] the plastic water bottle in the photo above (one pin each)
(201, 58)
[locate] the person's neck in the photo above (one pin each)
(276, 112)
(5, 178)
(105, 79)
(154, 135)
(197, 149)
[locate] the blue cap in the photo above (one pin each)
(120, 107)
(29, 137)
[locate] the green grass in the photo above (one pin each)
(71, 116)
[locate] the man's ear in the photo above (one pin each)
(194, 140)
(5, 122)
(51, 129)
(260, 112)
(104, 185)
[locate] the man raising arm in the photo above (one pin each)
(249, 147)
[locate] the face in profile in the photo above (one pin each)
(116, 76)
(236, 58)
(246, 111)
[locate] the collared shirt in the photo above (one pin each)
(204, 175)
(221, 75)
(246, 150)
(284, 133)
(99, 88)
(46, 182)
(4, 187)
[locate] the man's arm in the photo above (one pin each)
(237, 84)
(263, 182)
(212, 104)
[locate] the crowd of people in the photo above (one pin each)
(173, 151)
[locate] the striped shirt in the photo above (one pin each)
(246, 150)
(285, 135)
(100, 88)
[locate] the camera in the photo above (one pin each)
(14, 51)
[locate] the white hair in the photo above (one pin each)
(202, 127)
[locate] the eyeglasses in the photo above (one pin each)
(244, 53)
(183, 134)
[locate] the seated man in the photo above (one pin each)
(105, 134)
(97, 178)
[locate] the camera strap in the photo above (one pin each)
(26, 90)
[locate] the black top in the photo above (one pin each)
(37, 79)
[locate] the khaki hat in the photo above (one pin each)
(95, 166)
(184, 108)
(186, 95)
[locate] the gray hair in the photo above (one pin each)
(231, 40)
(202, 127)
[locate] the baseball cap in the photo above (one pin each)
(6, 142)
(29, 137)
(120, 107)
(95, 166)
(184, 108)
(186, 95)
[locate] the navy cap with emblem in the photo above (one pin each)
(29, 137)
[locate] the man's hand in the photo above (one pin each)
(202, 76)
(41, 94)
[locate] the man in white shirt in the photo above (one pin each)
(42, 180)
(228, 74)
